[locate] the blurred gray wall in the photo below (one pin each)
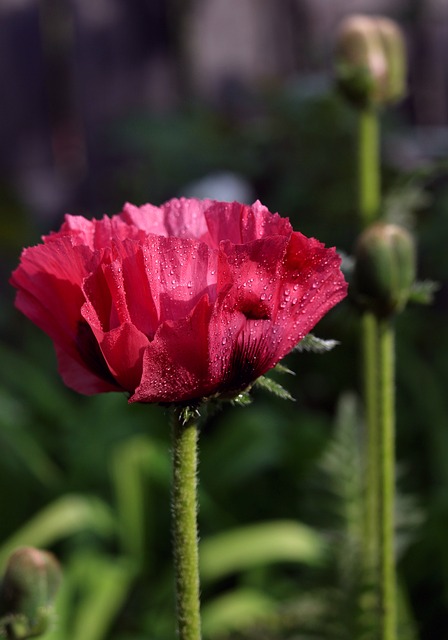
(69, 67)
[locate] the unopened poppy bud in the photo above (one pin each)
(370, 61)
(385, 266)
(29, 585)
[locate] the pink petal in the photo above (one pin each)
(179, 273)
(122, 349)
(49, 280)
(80, 376)
(181, 218)
(280, 290)
(240, 223)
(96, 234)
(148, 218)
(175, 364)
(184, 218)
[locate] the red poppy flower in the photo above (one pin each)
(176, 303)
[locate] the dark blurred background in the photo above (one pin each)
(106, 101)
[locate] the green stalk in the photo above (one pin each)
(369, 325)
(185, 530)
(368, 206)
(387, 475)
(379, 394)
(368, 165)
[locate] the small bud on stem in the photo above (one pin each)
(385, 268)
(28, 588)
(370, 61)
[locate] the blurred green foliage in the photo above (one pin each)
(89, 478)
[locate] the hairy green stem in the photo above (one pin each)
(369, 326)
(387, 475)
(368, 207)
(185, 530)
(379, 394)
(368, 166)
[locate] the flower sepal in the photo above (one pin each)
(316, 345)
(423, 292)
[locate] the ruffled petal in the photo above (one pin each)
(176, 363)
(147, 218)
(179, 217)
(244, 313)
(49, 280)
(239, 223)
(312, 284)
(281, 288)
(184, 218)
(87, 374)
(179, 273)
(122, 350)
(178, 302)
(97, 234)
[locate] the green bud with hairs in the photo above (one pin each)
(385, 268)
(30, 582)
(370, 61)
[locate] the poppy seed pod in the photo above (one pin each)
(385, 266)
(370, 61)
(29, 585)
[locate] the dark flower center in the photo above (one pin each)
(90, 352)
(250, 359)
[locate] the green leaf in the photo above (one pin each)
(133, 460)
(280, 368)
(316, 345)
(94, 589)
(242, 399)
(236, 611)
(13, 420)
(273, 387)
(25, 377)
(423, 292)
(259, 544)
(62, 518)
(106, 583)
(404, 201)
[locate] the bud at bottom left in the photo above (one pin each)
(31, 580)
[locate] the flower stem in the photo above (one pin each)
(368, 208)
(369, 326)
(379, 394)
(387, 475)
(185, 531)
(368, 166)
